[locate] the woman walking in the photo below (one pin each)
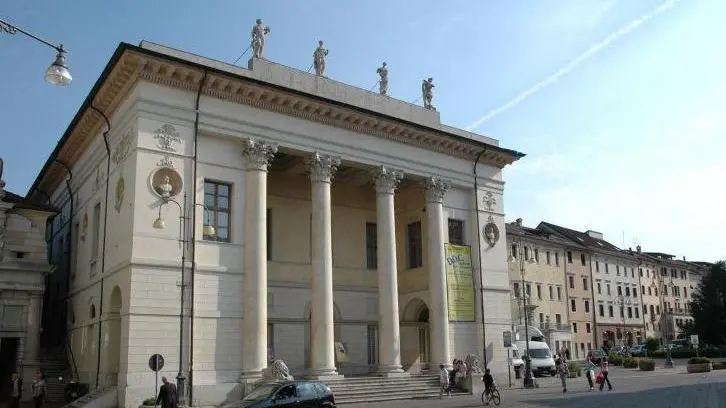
(590, 371)
(604, 373)
(563, 372)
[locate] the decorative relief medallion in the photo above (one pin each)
(166, 136)
(122, 148)
(84, 227)
(100, 178)
(166, 182)
(489, 201)
(322, 167)
(258, 154)
(387, 179)
(436, 189)
(165, 162)
(491, 232)
(120, 187)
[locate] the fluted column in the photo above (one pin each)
(257, 155)
(322, 340)
(386, 181)
(436, 188)
(32, 339)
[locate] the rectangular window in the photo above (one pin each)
(558, 319)
(371, 245)
(569, 256)
(571, 281)
(95, 238)
(635, 292)
(536, 255)
(587, 329)
(585, 285)
(552, 295)
(630, 312)
(597, 266)
(620, 291)
(372, 337)
(599, 288)
(217, 200)
(548, 255)
(528, 289)
(627, 291)
(514, 251)
(608, 288)
(573, 305)
(539, 291)
(574, 327)
(456, 232)
(607, 268)
(617, 270)
(601, 310)
(515, 289)
(415, 245)
(559, 293)
(610, 311)
(557, 258)
(637, 314)
(582, 259)
(587, 306)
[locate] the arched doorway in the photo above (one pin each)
(113, 342)
(416, 316)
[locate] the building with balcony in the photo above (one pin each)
(537, 262)
(650, 291)
(616, 286)
(23, 272)
(225, 216)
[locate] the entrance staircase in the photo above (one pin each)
(351, 390)
(55, 365)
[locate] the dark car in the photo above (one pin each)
(639, 351)
(597, 355)
(292, 394)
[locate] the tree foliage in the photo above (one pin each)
(708, 307)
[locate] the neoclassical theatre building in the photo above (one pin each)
(227, 216)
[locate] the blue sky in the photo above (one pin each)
(629, 142)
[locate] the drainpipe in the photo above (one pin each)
(103, 245)
(190, 400)
(478, 242)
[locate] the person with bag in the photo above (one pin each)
(603, 375)
(563, 372)
(590, 371)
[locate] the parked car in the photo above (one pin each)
(291, 394)
(639, 351)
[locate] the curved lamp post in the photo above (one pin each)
(57, 73)
(528, 377)
(208, 230)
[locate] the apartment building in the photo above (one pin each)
(537, 261)
(616, 285)
(676, 288)
(650, 291)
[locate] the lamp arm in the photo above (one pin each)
(14, 28)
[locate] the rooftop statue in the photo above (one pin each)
(383, 80)
(259, 32)
(319, 59)
(427, 89)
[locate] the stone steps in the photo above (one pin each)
(54, 362)
(380, 389)
(88, 398)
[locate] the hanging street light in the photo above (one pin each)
(57, 73)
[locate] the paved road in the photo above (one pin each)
(662, 388)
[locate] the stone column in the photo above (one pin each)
(322, 341)
(388, 322)
(436, 188)
(32, 339)
(257, 155)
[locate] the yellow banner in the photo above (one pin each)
(460, 283)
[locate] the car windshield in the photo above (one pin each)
(262, 392)
(539, 353)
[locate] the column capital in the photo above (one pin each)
(258, 154)
(322, 167)
(387, 179)
(436, 189)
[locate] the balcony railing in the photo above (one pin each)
(557, 326)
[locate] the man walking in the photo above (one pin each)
(167, 395)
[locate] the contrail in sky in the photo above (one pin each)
(589, 53)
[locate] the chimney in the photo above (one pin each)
(519, 222)
(684, 259)
(637, 248)
(594, 234)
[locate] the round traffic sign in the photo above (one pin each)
(156, 362)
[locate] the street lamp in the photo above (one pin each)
(528, 377)
(668, 320)
(208, 230)
(57, 73)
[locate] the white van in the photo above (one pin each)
(515, 357)
(541, 357)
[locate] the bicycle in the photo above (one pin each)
(492, 396)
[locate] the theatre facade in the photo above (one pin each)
(239, 215)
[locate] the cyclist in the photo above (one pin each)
(488, 383)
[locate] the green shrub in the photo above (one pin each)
(630, 362)
(149, 402)
(651, 344)
(615, 359)
(574, 368)
(719, 365)
(646, 364)
(699, 360)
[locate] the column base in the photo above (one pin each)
(391, 371)
(324, 374)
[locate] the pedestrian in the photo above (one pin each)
(590, 370)
(604, 373)
(444, 380)
(168, 397)
(39, 389)
(563, 372)
(567, 354)
(17, 394)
